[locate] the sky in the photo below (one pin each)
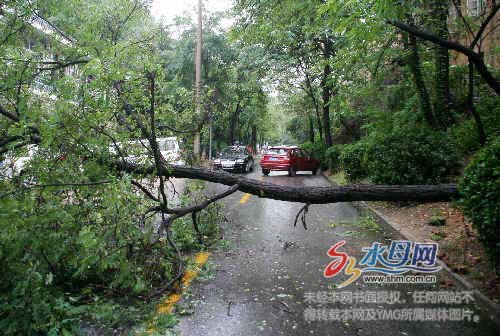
(168, 9)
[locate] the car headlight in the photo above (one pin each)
(240, 161)
(217, 161)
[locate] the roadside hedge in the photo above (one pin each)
(353, 160)
(332, 157)
(410, 155)
(480, 190)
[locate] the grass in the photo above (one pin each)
(339, 178)
(437, 221)
(365, 223)
(347, 234)
(368, 222)
(225, 245)
(436, 236)
(207, 272)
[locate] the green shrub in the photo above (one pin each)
(332, 157)
(480, 190)
(84, 254)
(465, 137)
(489, 109)
(410, 155)
(353, 160)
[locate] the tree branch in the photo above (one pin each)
(60, 65)
(302, 211)
(8, 114)
(179, 212)
(16, 146)
(431, 37)
(313, 195)
(458, 9)
(145, 191)
(476, 58)
(8, 139)
(58, 185)
(485, 23)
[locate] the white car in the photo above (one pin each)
(13, 165)
(169, 148)
(137, 151)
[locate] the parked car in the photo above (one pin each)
(12, 165)
(290, 159)
(137, 151)
(234, 158)
(170, 150)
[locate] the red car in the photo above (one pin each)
(290, 159)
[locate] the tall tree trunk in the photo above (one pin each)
(253, 139)
(442, 97)
(234, 123)
(318, 121)
(472, 108)
(247, 136)
(197, 137)
(311, 128)
(310, 91)
(327, 90)
(413, 61)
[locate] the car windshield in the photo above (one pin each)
(232, 151)
(167, 145)
(279, 151)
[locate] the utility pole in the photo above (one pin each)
(196, 145)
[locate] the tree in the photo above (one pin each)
(298, 47)
(196, 146)
(474, 57)
(442, 101)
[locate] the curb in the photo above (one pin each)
(363, 207)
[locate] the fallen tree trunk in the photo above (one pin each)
(312, 195)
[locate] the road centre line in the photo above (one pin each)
(167, 305)
(247, 196)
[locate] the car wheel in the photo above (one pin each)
(291, 171)
(315, 171)
(266, 171)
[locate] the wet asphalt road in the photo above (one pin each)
(261, 280)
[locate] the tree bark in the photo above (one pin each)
(442, 98)
(253, 139)
(472, 108)
(327, 90)
(310, 91)
(311, 128)
(413, 61)
(234, 122)
(312, 195)
(197, 84)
